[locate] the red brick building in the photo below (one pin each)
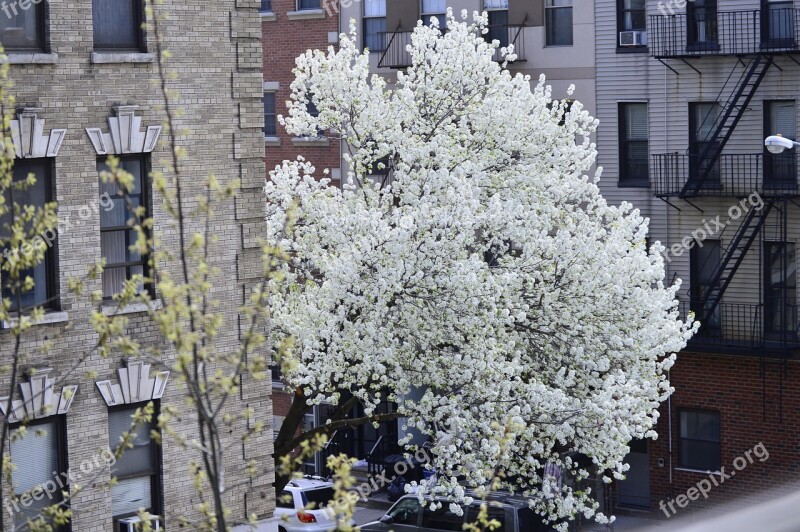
(289, 28)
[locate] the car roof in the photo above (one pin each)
(308, 484)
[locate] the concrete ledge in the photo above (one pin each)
(49, 317)
(101, 58)
(306, 14)
(267, 16)
(22, 58)
(311, 141)
(135, 308)
(272, 141)
(272, 86)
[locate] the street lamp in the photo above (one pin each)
(777, 144)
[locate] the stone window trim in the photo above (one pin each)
(320, 141)
(272, 141)
(111, 309)
(31, 58)
(268, 16)
(306, 14)
(134, 384)
(105, 58)
(49, 318)
(38, 397)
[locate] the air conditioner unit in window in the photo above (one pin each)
(633, 38)
(131, 524)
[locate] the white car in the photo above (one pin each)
(302, 506)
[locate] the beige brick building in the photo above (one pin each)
(83, 74)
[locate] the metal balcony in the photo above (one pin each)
(712, 33)
(746, 329)
(733, 175)
(396, 53)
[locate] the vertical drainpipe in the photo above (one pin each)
(666, 229)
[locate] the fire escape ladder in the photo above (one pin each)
(728, 119)
(732, 258)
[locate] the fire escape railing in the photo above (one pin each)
(704, 32)
(733, 175)
(396, 55)
(745, 328)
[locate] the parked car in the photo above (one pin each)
(301, 506)
(408, 515)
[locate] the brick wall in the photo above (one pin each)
(217, 64)
(733, 386)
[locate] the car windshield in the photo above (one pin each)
(317, 498)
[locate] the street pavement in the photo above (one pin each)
(367, 515)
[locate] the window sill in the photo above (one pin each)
(632, 49)
(31, 58)
(135, 308)
(690, 470)
(311, 141)
(49, 318)
(267, 16)
(279, 386)
(633, 184)
(103, 58)
(272, 141)
(306, 14)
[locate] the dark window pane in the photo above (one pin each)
(406, 512)
(559, 22)
(266, 6)
(36, 457)
(35, 195)
(285, 500)
(375, 34)
(116, 237)
(117, 24)
(441, 519)
(270, 116)
(699, 434)
(136, 469)
(634, 146)
(318, 498)
(22, 29)
(308, 4)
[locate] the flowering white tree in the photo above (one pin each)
(469, 271)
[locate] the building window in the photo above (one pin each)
(780, 290)
(558, 22)
(699, 440)
(434, 9)
(116, 234)
(138, 470)
(38, 456)
(266, 6)
(22, 29)
(118, 25)
(277, 423)
(375, 25)
(270, 116)
(780, 169)
(704, 119)
(633, 144)
(498, 29)
(632, 15)
(704, 261)
(308, 4)
(43, 293)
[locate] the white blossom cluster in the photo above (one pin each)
(480, 281)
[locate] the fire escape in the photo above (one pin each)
(759, 40)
